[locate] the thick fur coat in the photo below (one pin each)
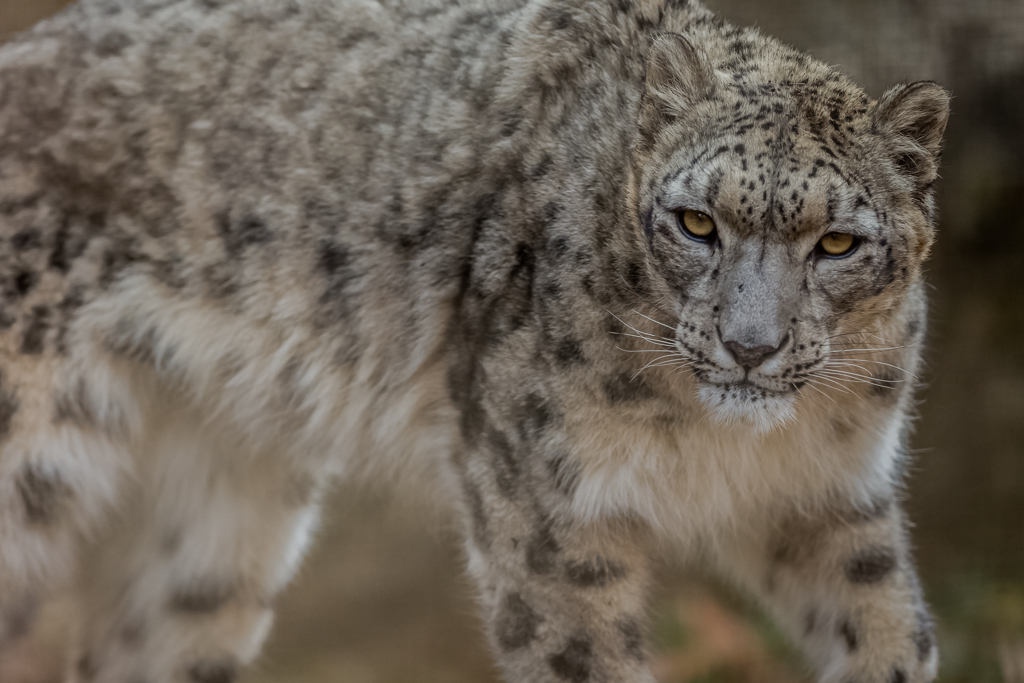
(250, 246)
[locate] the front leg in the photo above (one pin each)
(563, 600)
(841, 581)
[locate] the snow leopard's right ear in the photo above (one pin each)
(913, 118)
(678, 74)
(918, 111)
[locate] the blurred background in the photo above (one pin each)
(382, 597)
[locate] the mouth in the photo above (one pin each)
(746, 385)
(754, 390)
(746, 403)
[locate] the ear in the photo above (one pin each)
(678, 76)
(917, 112)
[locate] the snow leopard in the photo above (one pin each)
(603, 277)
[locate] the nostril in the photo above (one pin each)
(749, 356)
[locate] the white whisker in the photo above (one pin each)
(854, 361)
(657, 322)
(653, 340)
(857, 378)
(873, 350)
(811, 385)
(835, 384)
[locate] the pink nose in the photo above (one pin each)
(750, 357)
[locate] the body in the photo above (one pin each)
(250, 247)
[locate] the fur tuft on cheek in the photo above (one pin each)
(738, 408)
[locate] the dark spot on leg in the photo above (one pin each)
(213, 671)
(42, 493)
(870, 565)
(542, 550)
(898, 675)
(572, 663)
(849, 635)
(202, 597)
(517, 623)
(632, 639)
(594, 573)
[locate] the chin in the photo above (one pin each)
(747, 406)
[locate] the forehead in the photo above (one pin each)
(775, 164)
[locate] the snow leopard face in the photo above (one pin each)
(783, 221)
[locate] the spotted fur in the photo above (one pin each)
(250, 246)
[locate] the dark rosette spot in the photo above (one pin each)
(632, 639)
(574, 662)
(202, 597)
(594, 573)
(42, 493)
(870, 565)
(849, 635)
(213, 671)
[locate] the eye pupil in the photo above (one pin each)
(696, 225)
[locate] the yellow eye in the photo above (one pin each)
(837, 244)
(696, 225)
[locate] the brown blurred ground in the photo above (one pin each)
(382, 597)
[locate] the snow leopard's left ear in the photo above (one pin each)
(678, 74)
(918, 112)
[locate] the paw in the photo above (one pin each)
(919, 666)
(878, 657)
